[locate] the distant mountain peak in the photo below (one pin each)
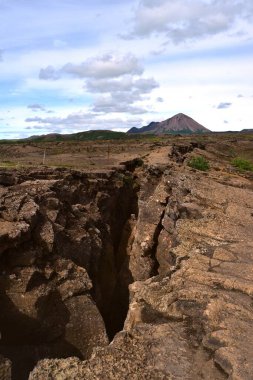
(179, 123)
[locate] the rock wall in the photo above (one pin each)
(60, 232)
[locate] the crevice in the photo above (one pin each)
(89, 223)
(112, 276)
(153, 250)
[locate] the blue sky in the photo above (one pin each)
(73, 65)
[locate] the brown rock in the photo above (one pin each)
(182, 242)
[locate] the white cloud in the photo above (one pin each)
(118, 77)
(73, 120)
(106, 66)
(121, 95)
(123, 84)
(182, 20)
(81, 121)
(117, 103)
(223, 105)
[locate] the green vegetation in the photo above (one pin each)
(242, 165)
(81, 136)
(7, 164)
(7, 142)
(101, 135)
(199, 163)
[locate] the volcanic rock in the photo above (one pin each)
(154, 258)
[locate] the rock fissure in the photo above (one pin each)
(144, 255)
(153, 249)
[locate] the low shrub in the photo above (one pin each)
(242, 164)
(199, 163)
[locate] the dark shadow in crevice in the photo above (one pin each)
(25, 340)
(111, 282)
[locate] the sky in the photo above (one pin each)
(74, 65)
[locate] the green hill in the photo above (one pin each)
(80, 136)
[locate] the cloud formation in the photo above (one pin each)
(223, 105)
(182, 20)
(49, 73)
(81, 121)
(117, 103)
(106, 66)
(120, 95)
(124, 84)
(36, 107)
(118, 78)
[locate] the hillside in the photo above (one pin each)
(80, 136)
(248, 130)
(179, 123)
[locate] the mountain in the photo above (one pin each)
(248, 130)
(179, 123)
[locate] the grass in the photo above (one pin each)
(199, 163)
(242, 165)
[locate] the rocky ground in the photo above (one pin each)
(143, 271)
